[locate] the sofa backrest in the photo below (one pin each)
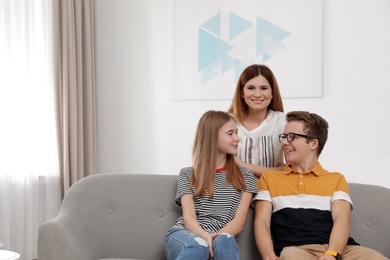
(128, 215)
(370, 222)
(122, 215)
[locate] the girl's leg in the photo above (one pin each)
(225, 248)
(182, 244)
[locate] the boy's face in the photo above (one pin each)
(298, 150)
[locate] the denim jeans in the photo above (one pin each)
(182, 244)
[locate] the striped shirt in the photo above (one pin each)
(213, 214)
(302, 204)
(261, 145)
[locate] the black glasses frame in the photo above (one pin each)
(291, 136)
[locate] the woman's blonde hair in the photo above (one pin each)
(204, 153)
(238, 107)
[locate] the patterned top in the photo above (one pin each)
(302, 204)
(213, 214)
(261, 145)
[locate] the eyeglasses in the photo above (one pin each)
(291, 136)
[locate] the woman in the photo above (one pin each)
(215, 194)
(258, 109)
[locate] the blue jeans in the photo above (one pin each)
(182, 244)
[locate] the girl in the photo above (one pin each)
(215, 194)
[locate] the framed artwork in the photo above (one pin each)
(214, 41)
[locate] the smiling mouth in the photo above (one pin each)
(257, 100)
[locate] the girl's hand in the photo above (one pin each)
(210, 240)
(271, 258)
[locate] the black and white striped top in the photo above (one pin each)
(213, 214)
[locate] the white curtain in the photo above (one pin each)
(29, 175)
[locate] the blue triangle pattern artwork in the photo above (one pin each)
(213, 24)
(265, 28)
(213, 51)
(237, 25)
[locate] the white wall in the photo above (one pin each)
(142, 130)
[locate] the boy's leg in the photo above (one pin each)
(305, 252)
(361, 252)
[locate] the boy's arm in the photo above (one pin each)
(262, 224)
(341, 215)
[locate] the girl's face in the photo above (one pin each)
(228, 138)
(257, 93)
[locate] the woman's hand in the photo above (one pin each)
(238, 161)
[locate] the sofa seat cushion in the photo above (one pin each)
(118, 259)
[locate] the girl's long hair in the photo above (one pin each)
(205, 151)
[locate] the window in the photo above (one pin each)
(29, 181)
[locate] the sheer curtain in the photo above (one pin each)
(29, 165)
(48, 138)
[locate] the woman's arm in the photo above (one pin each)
(257, 169)
(235, 226)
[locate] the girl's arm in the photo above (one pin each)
(235, 226)
(190, 221)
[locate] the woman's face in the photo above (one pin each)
(257, 93)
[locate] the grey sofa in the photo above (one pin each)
(125, 216)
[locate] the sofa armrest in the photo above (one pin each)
(58, 242)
